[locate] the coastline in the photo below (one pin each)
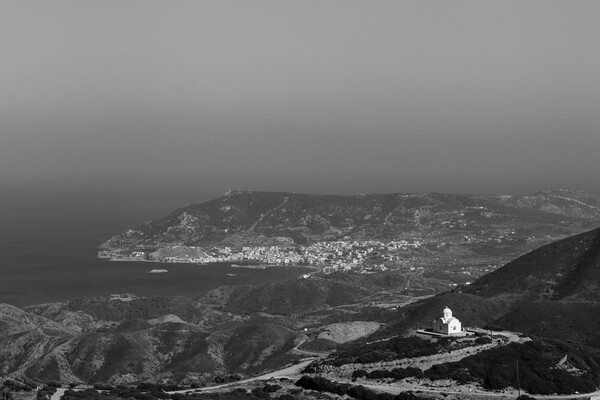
(103, 255)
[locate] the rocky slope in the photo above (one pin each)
(230, 331)
(111, 340)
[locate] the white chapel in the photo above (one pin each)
(447, 324)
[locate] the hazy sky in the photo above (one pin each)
(309, 96)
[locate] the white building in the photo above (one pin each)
(447, 324)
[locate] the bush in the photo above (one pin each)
(361, 393)
(359, 373)
(45, 393)
(395, 348)
(271, 388)
(286, 397)
(358, 392)
(322, 385)
(102, 386)
(483, 340)
(258, 392)
(407, 396)
(385, 396)
(19, 385)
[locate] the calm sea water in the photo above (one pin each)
(48, 253)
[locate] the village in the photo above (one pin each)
(359, 256)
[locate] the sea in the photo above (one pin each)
(49, 246)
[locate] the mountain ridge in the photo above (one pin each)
(466, 234)
(256, 206)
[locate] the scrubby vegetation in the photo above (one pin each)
(19, 385)
(267, 391)
(92, 394)
(143, 308)
(395, 348)
(396, 373)
(319, 345)
(45, 393)
(359, 392)
(545, 367)
(152, 391)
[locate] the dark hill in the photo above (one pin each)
(570, 321)
(304, 295)
(567, 270)
(552, 292)
(294, 296)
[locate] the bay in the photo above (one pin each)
(48, 251)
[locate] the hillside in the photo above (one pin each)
(566, 270)
(234, 332)
(540, 332)
(137, 339)
(305, 295)
(474, 233)
(554, 290)
(231, 330)
(550, 292)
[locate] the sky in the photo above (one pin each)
(186, 99)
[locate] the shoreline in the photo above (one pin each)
(232, 264)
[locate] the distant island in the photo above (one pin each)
(417, 232)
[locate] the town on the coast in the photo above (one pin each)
(369, 255)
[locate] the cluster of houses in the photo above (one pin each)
(361, 256)
(272, 255)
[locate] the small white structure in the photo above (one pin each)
(447, 324)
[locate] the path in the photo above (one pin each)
(262, 216)
(309, 353)
(286, 372)
(577, 201)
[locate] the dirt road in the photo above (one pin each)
(287, 372)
